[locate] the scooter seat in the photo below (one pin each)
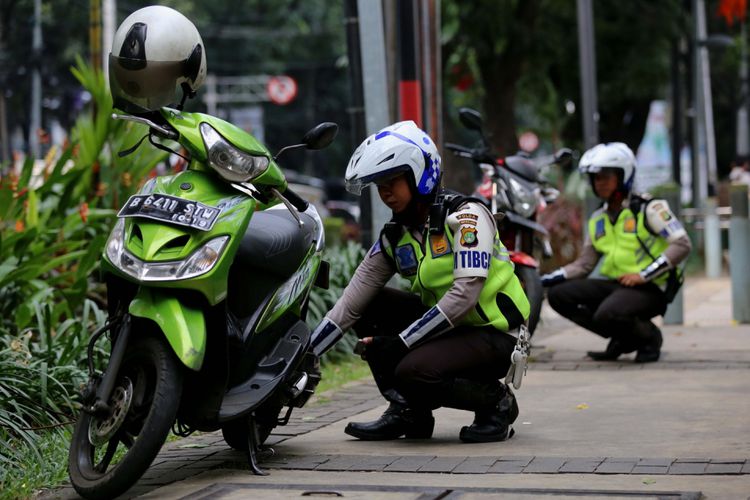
(271, 250)
(274, 242)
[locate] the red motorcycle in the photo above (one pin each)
(516, 193)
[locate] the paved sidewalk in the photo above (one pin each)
(679, 428)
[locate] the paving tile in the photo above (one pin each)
(724, 469)
(377, 463)
(442, 464)
(649, 469)
(693, 460)
(507, 467)
(635, 460)
(545, 465)
(746, 468)
(688, 468)
(343, 462)
(475, 465)
(728, 460)
(519, 458)
(580, 465)
(615, 468)
(408, 464)
(662, 462)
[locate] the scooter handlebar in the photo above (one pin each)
(296, 200)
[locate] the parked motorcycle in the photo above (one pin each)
(514, 190)
(208, 276)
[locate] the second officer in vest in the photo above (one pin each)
(641, 244)
(448, 340)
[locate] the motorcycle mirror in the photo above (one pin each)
(321, 135)
(563, 156)
(470, 118)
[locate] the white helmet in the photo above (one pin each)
(401, 147)
(614, 155)
(156, 51)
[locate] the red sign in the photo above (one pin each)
(281, 89)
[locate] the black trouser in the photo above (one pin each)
(479, 354)
(609, 309)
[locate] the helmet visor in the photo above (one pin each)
(355, 185)
(139, 86)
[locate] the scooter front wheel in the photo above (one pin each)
(108, 454)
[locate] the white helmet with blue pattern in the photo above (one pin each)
(613, 155)
(401, 147)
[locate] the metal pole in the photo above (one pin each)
(674, 314)
(677, 113)
(36, 82)
(743, 134)
(712, 239)
(409, 88)
(109, 21)
(375, 87)
(707, 171)
(587, 57)
(739, 253)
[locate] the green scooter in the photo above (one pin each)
(208, 276)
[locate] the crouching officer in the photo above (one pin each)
(449, 340)
(641, 243)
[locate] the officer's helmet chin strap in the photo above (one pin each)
(518, 358)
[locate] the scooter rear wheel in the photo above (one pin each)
(109, 454)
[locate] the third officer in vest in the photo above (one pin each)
(448, 340)
(641, 243)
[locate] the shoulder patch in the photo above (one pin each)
(469, 237)
(376, 249)
(629, 225)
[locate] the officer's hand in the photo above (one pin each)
(384, 347)
(634, 279)
(553, 278)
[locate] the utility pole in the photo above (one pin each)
(409, 86)
(704, 165)
(587, 55)
(36, 82)
(431, 68)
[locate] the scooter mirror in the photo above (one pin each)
(321, 135)
(470, 118)
(563, 157)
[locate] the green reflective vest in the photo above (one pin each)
(502, 302)
(619, 246)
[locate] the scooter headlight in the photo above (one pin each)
(524, 200)
(231, 163)
(200, 262)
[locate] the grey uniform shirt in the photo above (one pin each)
(376, 269)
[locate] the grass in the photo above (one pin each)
(334, 375)
(30, 474)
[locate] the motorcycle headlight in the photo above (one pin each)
(200, 262)
(524, 200)
(231, 163)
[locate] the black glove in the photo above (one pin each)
(386, 349)
(553, 278)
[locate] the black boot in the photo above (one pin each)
(493, 424)
(398, 420)
(611, 353)
(494, 406)
(651, 350)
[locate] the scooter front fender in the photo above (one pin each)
(182, 325)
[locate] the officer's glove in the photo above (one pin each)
(325, 335)
(383, 348)
(553, 278)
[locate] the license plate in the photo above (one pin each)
(163, 207)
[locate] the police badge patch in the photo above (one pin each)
(439, 245)
(406, 260)
(469, 237)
